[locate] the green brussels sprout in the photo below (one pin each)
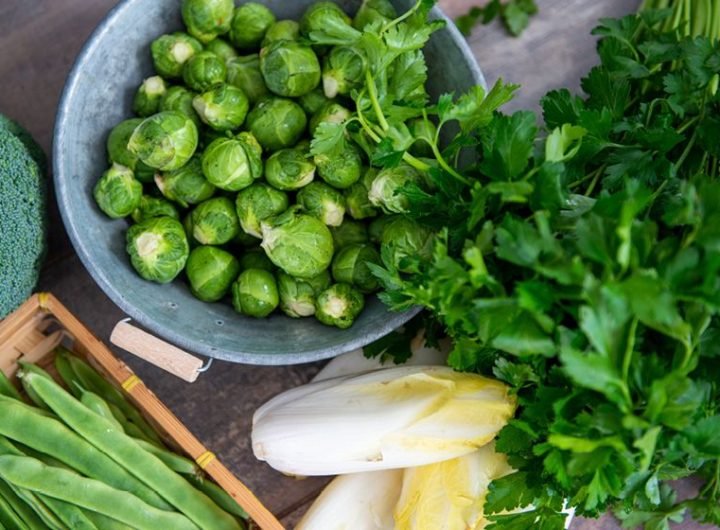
(158, 248)
(203, 70)
(289, 169)
(255, 293)
(181, 99)
(290, 68)
(339, 305)
(299, 244)
(255, 258)
(343, 70)
(117, 192)
(222, 49)
(170, 52)
(223, 107)
(148, 96)
(356, 196)
(322, 201)
(326, 23)
(117, 142)
(320, 282)
(244, 73)
(297, 297)
(384, 191)
(250, 22)
(206, 19)
(186, 185)
(330, 112)
(231, 164)
(421, 128)
(374, 11)
(348, 233)
(214, 222)
(257, 203)
(281, 30)
(165, 141)
(277, 123)
(313, 101)
(340, 171)
(350, 265)
(377, 226)
(404, 238)
(211, 271)
(154, 207)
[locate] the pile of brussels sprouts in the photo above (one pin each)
(216, 176)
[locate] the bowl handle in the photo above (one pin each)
(156, 351)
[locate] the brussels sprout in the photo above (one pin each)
(299, 244)
(289, 68)
(250, 21)
(158, 248)
(222, 107)
(118, 193)
(340, 171)
(281, 30)
(377, 227)
(211, 271)
(181, 99)
(289, 169)
(326, 23)
(374, 11)
(421, 128)
(404, 238)
(277, 123)
(339, 305)
(165, 141)
(384, 191)
(322, 201)
(148, 96)
(222, 49)
(313, 101)
(255, 258)
(117, 142)
(203, 70)
(330, 112)
(255, 293)
(244, 73)
(256, 203)
(170, 52)
(214, 222)
(358, 202)
(350, 265)
(297, 297)
(206, 19)
(154, 207)
(343, 70)
(186, 185)
(231, 164)
(348, 233)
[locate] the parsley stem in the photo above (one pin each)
(446, 166)
(372, 92)
(686, 152)
(416, 163)
(404, 16)
(629, 349)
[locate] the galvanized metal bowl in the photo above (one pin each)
(97, 96)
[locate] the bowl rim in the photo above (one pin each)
(394, 320)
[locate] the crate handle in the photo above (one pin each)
(156, 351)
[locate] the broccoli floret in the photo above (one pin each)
(22, 221)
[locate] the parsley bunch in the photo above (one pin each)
(514, 14)
(580, 264)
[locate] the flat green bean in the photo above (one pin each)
(62, 365)
(51, 437)
(174, 461)
(7, 388)
(72, 516)
(221, 497)
(124, 450)
(42, 511)
(9, 517)
(98, 405)
(26, 368)
(20, 507)
(88, 493)
(103, 522)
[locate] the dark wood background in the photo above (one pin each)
(39, 40)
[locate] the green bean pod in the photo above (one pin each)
(37, 400)
(221, 497)
(174, 461)
(90, 494)
(124, 450)
(48, 518)
(20, 507)
(49, 436)
(99, 406)
(7, 388)
(62, 365)
(72, 516)
(103, 522)
(9, 517)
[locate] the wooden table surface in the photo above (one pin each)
(39, 40)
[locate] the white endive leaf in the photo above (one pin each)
(384, 419)
(449, 495)
(358, 501)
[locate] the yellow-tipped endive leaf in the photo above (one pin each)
(358, 501)
(449, 495)
(384, 419)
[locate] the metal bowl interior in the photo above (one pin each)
(98, 95)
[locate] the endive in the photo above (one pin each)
(384, 419)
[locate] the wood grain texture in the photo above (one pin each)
(39, 40)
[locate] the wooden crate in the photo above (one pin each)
(31, 333)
